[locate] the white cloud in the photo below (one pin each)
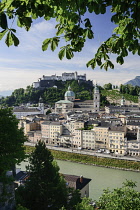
(23, 65)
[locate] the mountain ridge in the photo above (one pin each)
(134, 82)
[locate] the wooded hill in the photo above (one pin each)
(84, 91)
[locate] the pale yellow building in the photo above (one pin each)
(29, 125)
(88, 139)
(56, 130)
(45, 130)
(117, 140)
(101, 137)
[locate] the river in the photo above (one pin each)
(102, 178)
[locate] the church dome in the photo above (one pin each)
(69, 93)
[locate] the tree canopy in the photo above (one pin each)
(11, 141)
(120, 198)
(46, 187)
(74, 26)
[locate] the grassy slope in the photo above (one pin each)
(114, 96)
(87, 159)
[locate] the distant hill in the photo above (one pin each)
(134, 82)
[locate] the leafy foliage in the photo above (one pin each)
(45, 188)
(11, 141)
(108, 86)
(121, 198)
(74, 26)
(83, 91)
(116, 95)
(49, 95)
(85, 204)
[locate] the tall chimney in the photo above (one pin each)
(81, 179)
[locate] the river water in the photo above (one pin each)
(102, 178)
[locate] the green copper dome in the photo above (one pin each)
(69, 93)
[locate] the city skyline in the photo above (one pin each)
(23, 65)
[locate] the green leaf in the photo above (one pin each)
(124, 52)
(88, 33)
(110, 64)
(2, 33)
(96, 8)
(87, 23)
(60, 31)
(98, 60)
(19, 23)
(120, 60)
(92, 63)
(139, 50)
(105, 66)
(69, 53)
(12, 29)
(15, 39)
(54, 43)
(62, 53)
(103, 8)
(46, 44)
(9, 39)
(3, 21)
(8, 3)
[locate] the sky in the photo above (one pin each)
(21, 66)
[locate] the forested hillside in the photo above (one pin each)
(48, 95)
(82, 91)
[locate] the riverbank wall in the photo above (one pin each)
(128, 165)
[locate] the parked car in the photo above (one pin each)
(99, 150)
(107, 152)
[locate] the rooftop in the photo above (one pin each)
(64, 102)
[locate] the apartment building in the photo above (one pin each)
(51, 132)
(45, 131)
(101, 137)
(88, 139)
(30, 125)
(34, 136)
(56, 130)
(133, 148)
(117, 140)
(73, 128)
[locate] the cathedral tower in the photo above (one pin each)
(41, 105)
(96, 100)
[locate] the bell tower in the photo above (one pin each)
(41, 105)
(96, 100)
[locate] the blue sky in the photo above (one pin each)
(21, 66)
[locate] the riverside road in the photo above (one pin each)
(87, 152)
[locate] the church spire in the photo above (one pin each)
(96, 101)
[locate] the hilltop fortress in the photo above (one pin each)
(49, 81)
